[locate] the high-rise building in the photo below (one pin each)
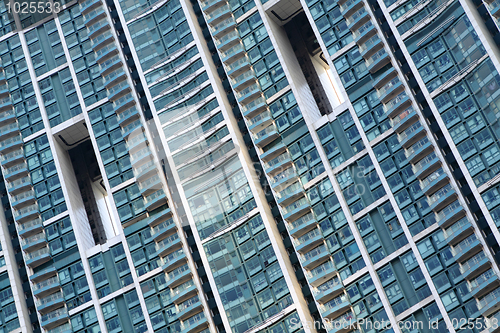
(247, 166)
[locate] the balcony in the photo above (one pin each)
(49, 303)
(93, 16)
(210, 5)
(475, 266)
(101, 41)
(466, 248)
(321, 274)
(98, 28)
(411, 135)
(189, 308)
(45, 287)
(136, 143)
(114, 77)
(15, 172)
(426, 166)
(283, 179)
(9, 130)
(135, 128)
(302, 225)
(289, 194)
(223, 27)
(314, 257)
(296, 209)
(328, 290)
(378, 60)
(254, 107)
(442, 197)
(483, 284)
(364, 32)
(14, 157)
(278, 163)
(178, 276)
(23, 199)
(236, 68)
(404, 119)
(397, 105)
(54, 318)
(159, 217)
(150, 185)
(141, 157)
(335, 307)
(345, 323)
(34, 242)
(434, 181)
(11, 144)
(218, 15)
(105, 53)
(123, 103)
(164, 229)
(489, 303)
(168, 245)
(248, 94)
(260, 121)
(226, 41)
(38, 257)
(458, 231)
(350, 6)
(194, 324)
(265, 136)
(5, 104)
(494, 8)
(307, 242)
(450, 214)
(7, 116)
(88, 5)
(418, 150)
(357, 19)
(29, 228)
(25, 214)
(173, 260)
(183, 292)
(19, 185)
(118, 90)
(234, 53)
(155, 200)
(110, 65)
(390, 89)
(492, 323)
(243, 80)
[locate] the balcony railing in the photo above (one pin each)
(238, 63)
(333, 303)
(172, 256)
(247, 90)
(222, 25)
(331, 284)
(388, 86)
(346, 4)
(8, 128)
(313, 253)
(423, 162)
(32, 239)
(473, 284)
(232, 51)
(362, 29)
(282, 175)
(372, 40)
(166, 241)
(30, 224)
(471, 262)
(45, 283)
(307, 237)
(297, 223)
(25, 210)
(13, 154)
(54, 314)
(448, 209)
(355, 16)
(439, 194)
(162, 226)
(180, 289)
(61, 329)
(218, 11)
(463, 245)
(409, 131)
(395, 101)
(432, 177)
(320, 269)
(50, 298)
(37, 253)
(416, 146)
(295, 205)
(17, 167)
(227, 37)
(456, 226)
(252, 104)
(259, 117)
(289, 190)
(188, 303)
(402, 116)
(192, 321)
(23, 195)
(491, 298)
(283, 157)
(264, 132)
(178, 271)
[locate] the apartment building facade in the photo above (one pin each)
(250, 166)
